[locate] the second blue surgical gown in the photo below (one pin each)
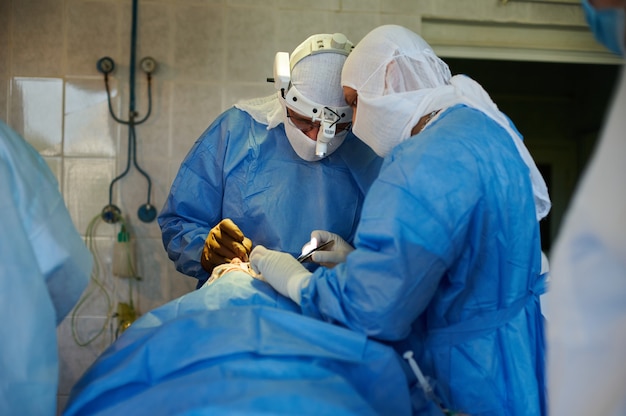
(239, 169)
(447, 264)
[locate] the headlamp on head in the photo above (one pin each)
(328, 116)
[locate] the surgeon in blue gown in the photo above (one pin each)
(236, 346)
(447, 257)
(44, 268)
(257, 176)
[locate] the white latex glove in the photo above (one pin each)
(337, 252)
(281, 271)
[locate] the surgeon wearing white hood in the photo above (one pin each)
(447, 256)
(270, 170)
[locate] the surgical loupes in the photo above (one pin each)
(329, 122)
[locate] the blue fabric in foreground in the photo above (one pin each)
(44, 268)
(238, 347)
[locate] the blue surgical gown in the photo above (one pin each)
(237, 347)
(44, 267)
(239, 169)
(447, 264)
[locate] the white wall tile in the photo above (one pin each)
(37, 112)
(251, 50)
(154, 36)
(153, 134)
(180, 283)
(86, 190)
(133, 194)
(255, 3)
(56, 166)
(354, 25)
(155, 288)
(295, 26)
(38, 38)
(307, 5)
(89, 128)
(94, 31)
(5, 39)
(4, 98)
(402, 6)
(75, 359)
(360, 5)
(198, 43)
(99, 298)
(239, 92)
(194, 107)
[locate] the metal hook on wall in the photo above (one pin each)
(146, 212)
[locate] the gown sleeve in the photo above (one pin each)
(412, 227)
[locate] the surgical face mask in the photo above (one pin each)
(304, 146)
(384, 122)
(607, 26)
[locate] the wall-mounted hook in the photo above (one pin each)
(105, 65)
(148, 65)
(111, 214)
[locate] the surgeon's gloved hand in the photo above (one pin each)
(283, 272)
(224, 243)
(336, 253)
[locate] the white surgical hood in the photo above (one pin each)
(399, 79)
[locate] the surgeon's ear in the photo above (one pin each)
(352, 98)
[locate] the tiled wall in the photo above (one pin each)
(209, 53)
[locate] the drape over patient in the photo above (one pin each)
(238, 347)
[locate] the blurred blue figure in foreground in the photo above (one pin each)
(587, 327)
(236, 346)
(44, 268)
(447, 262)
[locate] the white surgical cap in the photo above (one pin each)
(317, 77)
(399, 79)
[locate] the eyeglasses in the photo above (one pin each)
(305, 125)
